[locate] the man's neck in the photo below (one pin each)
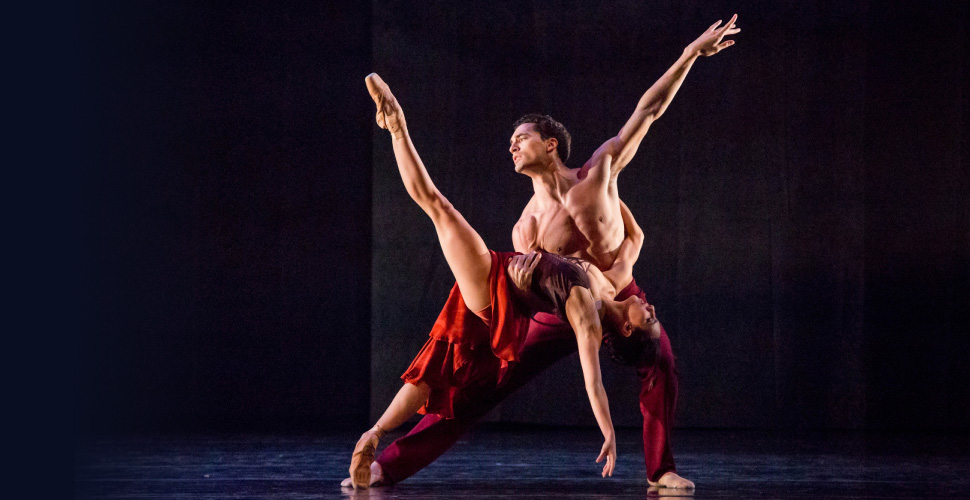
(551, 182)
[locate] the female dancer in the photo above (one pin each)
(575, 290)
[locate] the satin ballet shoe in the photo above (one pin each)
(390, 116)
(363, 457)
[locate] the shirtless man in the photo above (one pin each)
(574, 212)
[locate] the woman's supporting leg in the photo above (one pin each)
(464, 250)
(406, 403)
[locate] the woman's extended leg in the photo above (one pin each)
(464, 249)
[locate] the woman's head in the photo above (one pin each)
(633, 337)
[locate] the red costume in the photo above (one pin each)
(470, 368)
(467, 349)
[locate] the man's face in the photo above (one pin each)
(527, 146)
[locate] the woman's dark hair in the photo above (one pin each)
(547, 127)
(636, 350)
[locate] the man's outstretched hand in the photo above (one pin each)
(712, 41)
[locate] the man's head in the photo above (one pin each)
(552, 134)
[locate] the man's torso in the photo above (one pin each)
(585, 223)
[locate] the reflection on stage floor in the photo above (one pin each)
(535, 462)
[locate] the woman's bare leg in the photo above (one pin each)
(408, 400)
(464, 249)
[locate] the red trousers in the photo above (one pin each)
(546, 343)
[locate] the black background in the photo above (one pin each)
(250, 261)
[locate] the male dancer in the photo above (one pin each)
(587, 224)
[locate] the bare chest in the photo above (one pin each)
(601, 225)
(552, 229)
(574, 229)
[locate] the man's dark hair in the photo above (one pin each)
(636, 350)
(547, 127)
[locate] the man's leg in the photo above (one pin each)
(658, 400)
(433, 435)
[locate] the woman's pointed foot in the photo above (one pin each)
(376, 477)
(390, 116)
(363, 457)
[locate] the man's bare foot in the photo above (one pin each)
(662, 493)
(390, 116)
(672, 480)
(376, 477)
(363, 458)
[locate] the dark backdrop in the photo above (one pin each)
(251, 260)
(226, 215)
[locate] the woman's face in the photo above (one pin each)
(642, 315)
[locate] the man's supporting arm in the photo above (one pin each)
(621, 272)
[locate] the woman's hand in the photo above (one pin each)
(609, 453)
(521, 267)
(710, 42)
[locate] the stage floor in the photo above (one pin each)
(529, 462)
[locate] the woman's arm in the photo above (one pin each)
(582, 315)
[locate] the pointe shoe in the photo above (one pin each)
(390, 116)
(363, 457)
(376, 477)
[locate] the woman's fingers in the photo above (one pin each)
(610, 465)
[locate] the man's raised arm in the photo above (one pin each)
(656, 99)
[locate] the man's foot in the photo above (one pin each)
(390, 116)
(363, 458)
(672, 480)
(376, 477)
(662, 493)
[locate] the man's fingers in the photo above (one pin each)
(529, 259)
(729, 24)
(535, 261)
